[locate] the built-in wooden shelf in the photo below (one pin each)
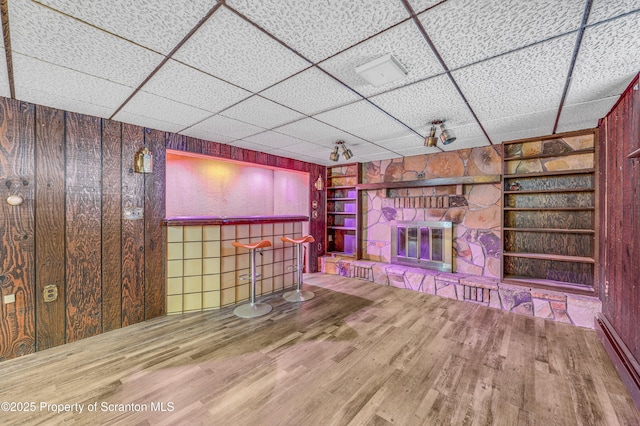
(547, 174)
(346, 213)
(554, 257)
(536, 156)
(549, 191)
(341, 176)
(551, 230)
(551, 211)
(341, 199)
(463, 180)
(343, 228)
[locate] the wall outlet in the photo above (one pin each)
(9, 298)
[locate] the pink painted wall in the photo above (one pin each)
(198, 186)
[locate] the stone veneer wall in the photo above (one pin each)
(473, 209)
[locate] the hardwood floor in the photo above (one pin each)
(358, 353)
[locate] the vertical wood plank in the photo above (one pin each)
(317, 225)
(176, 142)
(83, 226)
(154, 213)
(111, 225)
(132, 230)
(50, 226)
(17, 320)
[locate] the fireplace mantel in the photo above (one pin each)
(461, 180)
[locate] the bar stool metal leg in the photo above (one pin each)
(252, 309)
(298, 295)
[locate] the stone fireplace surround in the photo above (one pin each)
(475, 211)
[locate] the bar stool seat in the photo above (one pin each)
(252, 309)
(298, 295)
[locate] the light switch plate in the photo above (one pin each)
(9, 298)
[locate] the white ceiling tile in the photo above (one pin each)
(157, 24)
(423, 102)
(43, 83)
(221, 125)
(381, 156)
(519, 127)
(234, 50)
(192, 87)
(403, 143)
(166, 110)
(4, 76)
(502, 87)
(585, 115)
(52, 37)
(366, 121)
(607, 9)
(242, 143)
(206, 135)
(467, 31)
(466, 143)
(420, 5)
(262, 112)
(303, 25)
(407, 45)
(143, 121)
(306, 148)
(608, 60)
(310, 92)
(274, 139)
(315, 131)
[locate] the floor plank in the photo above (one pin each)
(358, 353)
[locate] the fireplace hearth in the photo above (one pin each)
(422, 244)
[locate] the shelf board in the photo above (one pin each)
(550, 191)
(545, 174)
(341, 199)
(552, 230)
(634, 154)
(341, 176)
(342, 228)
(462, 180)
(551, 284)
(531, 157)
(555, 257)
(544, 209)
(345, 213)
(342, 187)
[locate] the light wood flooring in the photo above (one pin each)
(358, 353)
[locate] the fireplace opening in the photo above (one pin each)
(424, 244)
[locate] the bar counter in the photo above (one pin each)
(203, 268)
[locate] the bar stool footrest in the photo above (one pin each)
(254, 310)
(298, 295)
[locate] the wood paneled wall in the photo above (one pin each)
(620, 218)
(230, 152)
(76, 175)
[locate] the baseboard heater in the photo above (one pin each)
(622, 358)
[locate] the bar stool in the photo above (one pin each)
(252, 309)
(298, 295)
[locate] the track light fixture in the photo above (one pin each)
(334, 156)
(446, 136)
(346, 152)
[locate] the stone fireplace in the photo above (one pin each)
(425, 244)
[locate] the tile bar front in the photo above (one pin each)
(203, 269)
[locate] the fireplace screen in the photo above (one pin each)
(426, 244)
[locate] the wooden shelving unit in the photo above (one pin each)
(549, 212)
(343, 210)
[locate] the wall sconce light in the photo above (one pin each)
(346, 152)
(319, 184)
(143, 162)
(446, 136)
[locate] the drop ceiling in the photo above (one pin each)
(279, 76)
